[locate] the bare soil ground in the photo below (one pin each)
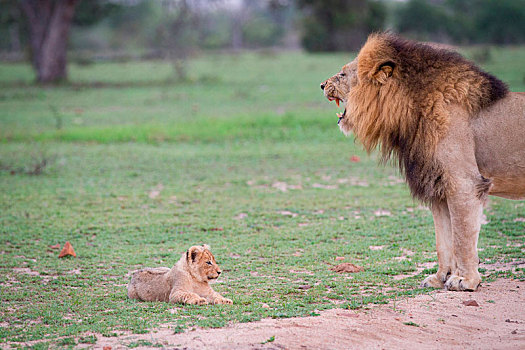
(443, 320)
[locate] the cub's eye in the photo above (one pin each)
(208, 262)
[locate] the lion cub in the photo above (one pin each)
(186, 283)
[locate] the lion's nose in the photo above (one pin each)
(322, 86)
(219, 272)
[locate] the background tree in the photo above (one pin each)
(49, 22)
(463, 21)
(500, 21)
(423, 20)
(333, 25)
(178, 33)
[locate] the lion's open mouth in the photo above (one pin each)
(337, 101)
(340, 116)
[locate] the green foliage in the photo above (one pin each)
(90, 12)
(422, 19)
(339, 25)
(500, 21)
(466, 21)
(261, 31)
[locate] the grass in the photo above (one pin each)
(246, 157)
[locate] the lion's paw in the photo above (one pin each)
(197, 301)
(462, 284)
(222, 300)
(433, 281)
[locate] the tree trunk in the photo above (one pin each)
(49, 23)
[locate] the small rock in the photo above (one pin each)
(470, 302)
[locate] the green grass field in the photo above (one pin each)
(246, 157)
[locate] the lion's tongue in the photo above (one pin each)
(337, 102)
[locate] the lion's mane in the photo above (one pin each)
(406, 114)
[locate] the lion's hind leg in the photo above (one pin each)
(444, 246)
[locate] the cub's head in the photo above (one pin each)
(202, 264)
(338, 87)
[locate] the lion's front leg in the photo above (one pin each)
(444, 246)
(183, 297)
(465, 217)
(215, 298)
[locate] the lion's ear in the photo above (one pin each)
(383, 71)
(193, 252)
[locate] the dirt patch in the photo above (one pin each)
(434, 321)
(347, 267)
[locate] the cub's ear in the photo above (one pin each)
(193, 252)
(205, 246)
(383, 71)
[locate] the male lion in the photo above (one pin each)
(186, 282)
(455, 131)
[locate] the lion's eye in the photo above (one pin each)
(343, 74)
(208, 262)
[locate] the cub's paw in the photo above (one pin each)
(222, 300)
(462, 284)
(433, 281)
(197, 301)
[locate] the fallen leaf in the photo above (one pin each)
(266, 306)
(67, 250)
(355, 159)
(339, 258)
(56, 246)
(304, 287)
(470, 302)
(347, 267)
(106, 348)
